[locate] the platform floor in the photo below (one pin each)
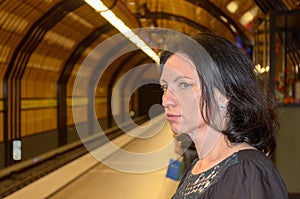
(104, 182)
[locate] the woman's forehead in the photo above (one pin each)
(180, 64)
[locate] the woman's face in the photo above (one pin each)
(181, 97)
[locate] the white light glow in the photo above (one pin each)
(232, 7)
(223, 19)
(97, 5)
(261, 70)
(257, 68)
(249, 16)
(246, 18)
(232, 28)
(121, 26)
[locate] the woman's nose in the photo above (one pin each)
(168, 98)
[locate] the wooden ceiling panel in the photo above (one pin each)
(292, 4)
(209, 16)
(42, 6)
(242, 7)
(87, 53)
(88, 16)
(175, 25)
(186, 9)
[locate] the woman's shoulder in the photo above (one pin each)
(254, 158)
(254, 164)
(254, 174)
(247, 173)
(252, 155)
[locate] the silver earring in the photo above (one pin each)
(221, 107)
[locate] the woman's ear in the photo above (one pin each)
(221, 100)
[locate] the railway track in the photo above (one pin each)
(15, 180)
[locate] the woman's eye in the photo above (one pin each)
(185, 85)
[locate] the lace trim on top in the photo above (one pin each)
(196, 184)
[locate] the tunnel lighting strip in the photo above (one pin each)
(121, 26)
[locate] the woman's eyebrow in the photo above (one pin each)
(182, 77)
(176, 79)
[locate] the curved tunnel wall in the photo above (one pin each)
(42, 46)
(41, 53)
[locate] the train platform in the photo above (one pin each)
(88, 178)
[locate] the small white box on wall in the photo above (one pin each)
(297, 90)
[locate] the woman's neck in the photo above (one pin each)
(212, 148)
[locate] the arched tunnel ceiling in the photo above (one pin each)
(226, 17)
(43, 37)
(43, 44)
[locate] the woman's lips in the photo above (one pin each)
(172, 117)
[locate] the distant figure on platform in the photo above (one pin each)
(212, 94)
(185, 147)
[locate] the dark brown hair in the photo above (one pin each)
(251, 110)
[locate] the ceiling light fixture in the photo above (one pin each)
(232, 7)
(122, 27)
(246, 18)
(223, 19)
(232, 28)
(249, 16)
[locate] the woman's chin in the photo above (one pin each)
(176, 133)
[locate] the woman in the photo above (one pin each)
(212, 94)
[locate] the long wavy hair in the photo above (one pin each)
(251, 110)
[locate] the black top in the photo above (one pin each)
(247, 174)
